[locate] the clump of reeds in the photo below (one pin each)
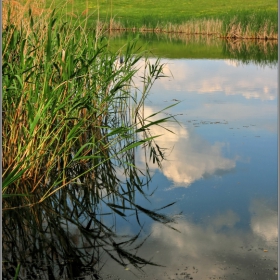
(65, 99)
(15, 12)
(199, 26)
(246, 25)
(72, 120)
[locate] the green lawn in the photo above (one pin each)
(176, 11)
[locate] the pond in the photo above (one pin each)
(221, 167)
(220, 171)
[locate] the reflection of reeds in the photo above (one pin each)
(240, 45)
(261, 52)
(66, 237)
(198, 46)
(190, 39)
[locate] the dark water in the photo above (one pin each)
(220, 169)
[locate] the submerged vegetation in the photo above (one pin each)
(72, 121)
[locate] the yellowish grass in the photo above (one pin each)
(203, 27)
(19, 11)
(238, 45)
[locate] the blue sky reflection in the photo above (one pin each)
(221, 168)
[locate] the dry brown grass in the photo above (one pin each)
(19, 11)
(235, 30)
(202, 27)
(205, 26)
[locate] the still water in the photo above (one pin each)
(221, 170)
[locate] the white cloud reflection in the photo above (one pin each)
(232, 62)
(206, 76)
(264, 221)
(218, 247)
(213, 90)
(191, 157)
(203, 250)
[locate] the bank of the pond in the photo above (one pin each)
(250, 20)
(229, 28)
(230, 19)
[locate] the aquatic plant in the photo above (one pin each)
(250, 25)
(72, 121)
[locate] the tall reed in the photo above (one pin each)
(247, 25)
(65, 96)
(72, 121)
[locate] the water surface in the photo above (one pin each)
(221, 169)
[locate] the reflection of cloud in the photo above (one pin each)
(214, 253)
(211, 90)
(204, 250)
(206, 76)
(201, 159)
(192, 157)
(228, 219)
(264, 221)
(232, 62)
(234, 111)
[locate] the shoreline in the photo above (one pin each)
(259, 25)
(207, 27)
(218, 35)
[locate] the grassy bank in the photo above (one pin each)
(231, 19)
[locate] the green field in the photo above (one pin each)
(176, 11)
(241, 19)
